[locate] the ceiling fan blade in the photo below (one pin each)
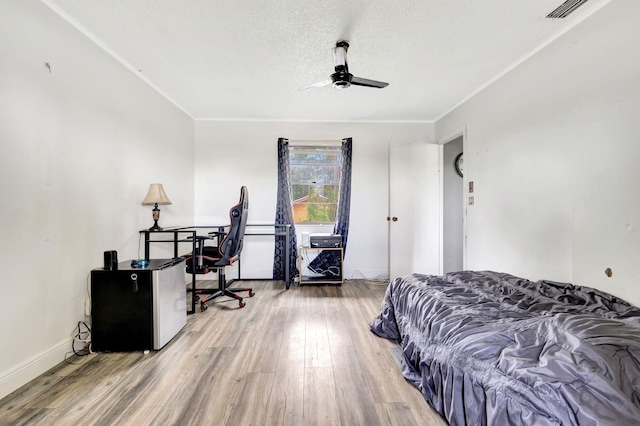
(357, 81)
(315, 85)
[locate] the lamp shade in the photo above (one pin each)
(156, 195)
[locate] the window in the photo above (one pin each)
(315, 182)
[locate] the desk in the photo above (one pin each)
(187, 234)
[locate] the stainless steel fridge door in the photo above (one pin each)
(169, 303)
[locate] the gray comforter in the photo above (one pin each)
(491, 348)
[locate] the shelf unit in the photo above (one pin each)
(303, 255)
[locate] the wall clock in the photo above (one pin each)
(459, 165)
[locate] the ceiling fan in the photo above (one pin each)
(342, 78)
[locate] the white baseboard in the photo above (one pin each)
(33, 367)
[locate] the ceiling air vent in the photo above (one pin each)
(566, 8)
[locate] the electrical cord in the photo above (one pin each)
(87, 312)
(331, 271)
(81, 336)
(381, 280)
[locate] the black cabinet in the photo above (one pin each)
(137, 308)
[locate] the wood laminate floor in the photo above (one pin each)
(303, 356)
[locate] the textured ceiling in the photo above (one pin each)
(229, 59)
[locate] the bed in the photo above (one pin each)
(490, 348)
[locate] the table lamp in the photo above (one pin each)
(156, 196)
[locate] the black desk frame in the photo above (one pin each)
(187, 234)
(279, 231)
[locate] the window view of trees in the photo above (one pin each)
(315, 182)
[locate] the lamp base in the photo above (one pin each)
(155, 227)
(156, 217)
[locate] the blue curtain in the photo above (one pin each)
(328, 261)
(284, 215)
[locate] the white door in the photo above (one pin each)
(414, 209)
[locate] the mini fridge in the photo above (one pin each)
(137, 308)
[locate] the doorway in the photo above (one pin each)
(452, 208)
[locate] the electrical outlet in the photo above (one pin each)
(471, 201)
(87, 307)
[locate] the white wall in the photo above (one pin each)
(79, 147)
(230, 154)
(552, 148)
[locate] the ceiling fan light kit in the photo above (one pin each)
(342, 78)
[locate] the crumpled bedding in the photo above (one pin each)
(490, 348)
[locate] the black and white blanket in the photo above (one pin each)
(492, 348)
